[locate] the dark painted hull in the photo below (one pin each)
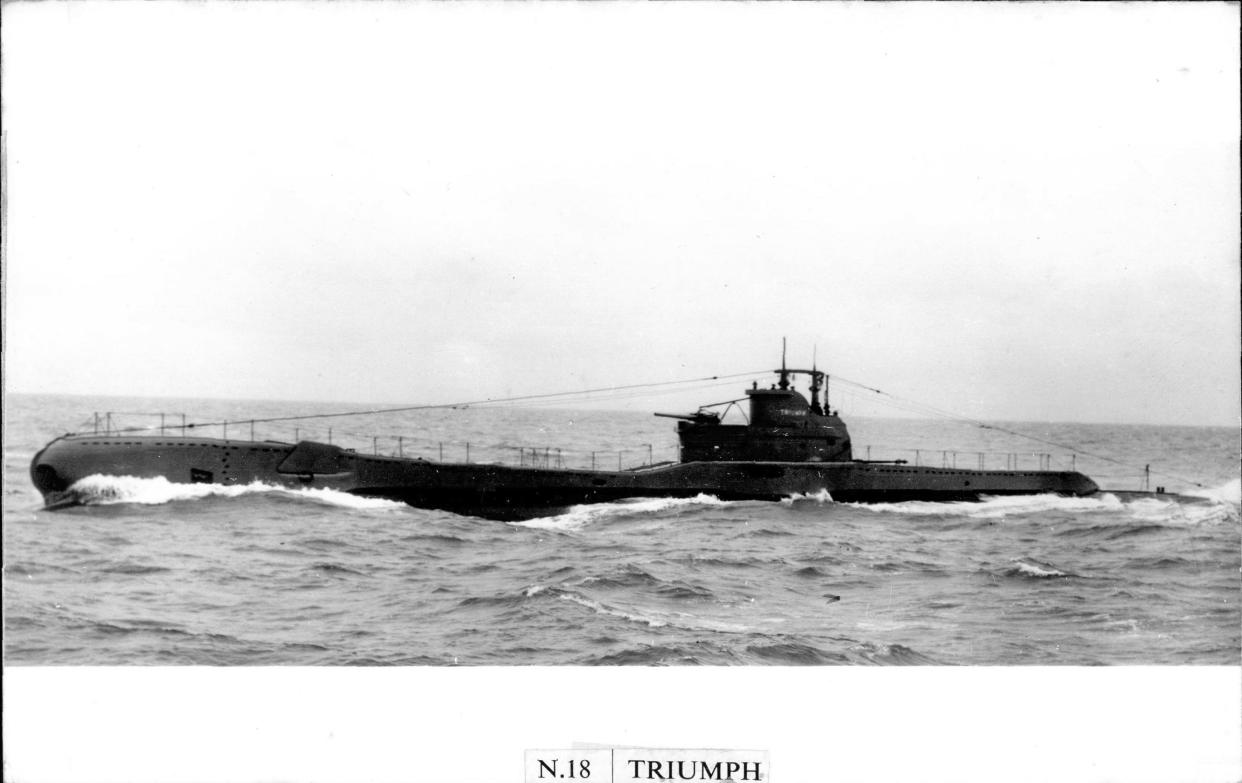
(505, 492)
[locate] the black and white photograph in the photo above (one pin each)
(391, 389)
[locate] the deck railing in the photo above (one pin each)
(621, 457)
(969, 459)
(628, 457)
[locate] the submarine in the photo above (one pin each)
(789, 446)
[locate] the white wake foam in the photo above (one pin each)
(1171, 512)
(1229, 492)
(1166, 511)
(109, 490)
(580, 516)
(997, 506)
(820, 497)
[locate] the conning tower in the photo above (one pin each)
(783, 427)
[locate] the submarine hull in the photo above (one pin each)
(507, 492)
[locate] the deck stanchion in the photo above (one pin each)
(375, 446)
(441, 451)
(252, 430)
(97, 422)
(161, 425)
(916, 457)
(559, 462)
(183, 425)
(592, 457)
(650, 455)
(618, 460)
(400, 447)
(955, 459)
(297, 434)
(868, 453)
(981, 460)
(329, 436)
(1073, 462)
(467, 451)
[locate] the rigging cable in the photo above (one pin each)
(487, 401)
(626, 391)
(923, 407)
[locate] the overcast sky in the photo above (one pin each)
(1014, 211)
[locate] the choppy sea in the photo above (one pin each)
(164, 574)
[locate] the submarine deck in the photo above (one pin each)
(515, 492)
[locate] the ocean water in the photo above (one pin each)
(153, 573)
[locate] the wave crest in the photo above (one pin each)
(1036, 569)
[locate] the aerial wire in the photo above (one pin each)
(464, 404)
(629, 391)
(918, 407)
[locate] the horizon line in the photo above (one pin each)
(398, 407)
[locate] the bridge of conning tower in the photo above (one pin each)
(784, 427)
(782, 405)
